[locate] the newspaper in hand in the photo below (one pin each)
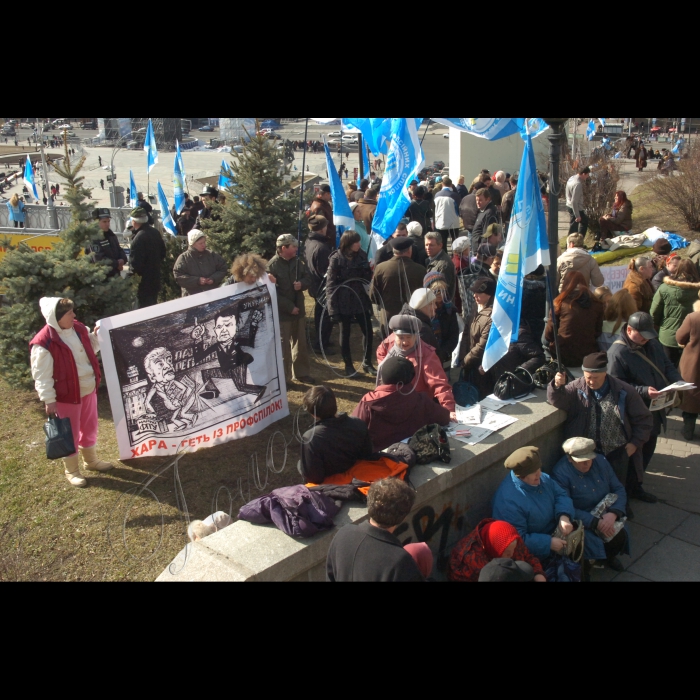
(678, 386)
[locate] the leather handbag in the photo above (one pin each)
(514, 385)
(59, 438)
(465, 393)
(545, 375)
(431, 444)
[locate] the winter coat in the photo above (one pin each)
(484, 220)
(318, 249)
(469, 212)
(578, 260)
(443, 264)
(623, 217)
(626, 363)
(659, 278)
(393, 414)
(346, 293)
(324, 209)
(147, 255)
(365, 212)
(534, 310)
(580, 325)
(64, 363)
(447, 332)
(507, 206)
(689, 335)
(467, 277)
(477, 337)
(576, 400)
(672, 303)
(421, 211)
(333, 446)
(586, 492)
(295, 510)
(526, 353)
(418, 254)
(287, 272)
(107, 247)
(389, 286)
(427, 335)
(534, 511)
(641, 290)
(367, 554)
(430, 377)
(469, 557)
(193, 265)
(446, 211)
(16, 213)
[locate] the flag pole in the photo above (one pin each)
(303, 180)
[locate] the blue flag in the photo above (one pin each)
(225, 176)
(403, 164)
(591, 130)
(149, 146)
(179, 181)
(165, 215)
(133, 191)
(342, 214)
(527, 248)
(29, 180)
(495, 128)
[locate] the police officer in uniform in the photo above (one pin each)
(209, 197)
(106, 247)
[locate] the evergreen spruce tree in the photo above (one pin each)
(65, 271)
(259, 205)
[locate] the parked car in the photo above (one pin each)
(351, 139)
(335, 134)
(207, 129)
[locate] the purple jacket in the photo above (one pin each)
(295, 510)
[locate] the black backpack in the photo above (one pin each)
(431, 444)
(514, 385)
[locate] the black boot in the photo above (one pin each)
(689, 421)
(349, 367)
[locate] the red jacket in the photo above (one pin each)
(430, 377)
(469, 557)
(65, 372)
(393, 416)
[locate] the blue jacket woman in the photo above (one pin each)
(587, 489)
(15, 207)
(535, 511)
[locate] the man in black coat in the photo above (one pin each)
(371, 552)
(107, 247)
(488, 214)
(147, 255)
(638, 358)
(142, 202)
(318, 249)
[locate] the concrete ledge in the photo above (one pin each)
(451, 500)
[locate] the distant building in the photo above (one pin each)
(134, 395)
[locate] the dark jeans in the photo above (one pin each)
(146, 299)
(323, 330)
(620, 462)
(365, 323)
(581, 228)
(648, 450)
(609, 228)
(447, 235)
(673, 354)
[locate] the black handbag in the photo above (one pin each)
(59, 438)
(465, 393)
(514, 385)
(431, 444)
(546, 374)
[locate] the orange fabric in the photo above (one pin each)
(369, 472)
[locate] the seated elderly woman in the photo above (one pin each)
(599, 498)
(394, 412)
(491, 540)
(534, 504)
(405, 341)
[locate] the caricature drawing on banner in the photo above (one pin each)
(195, 372)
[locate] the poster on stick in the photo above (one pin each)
(195, 372)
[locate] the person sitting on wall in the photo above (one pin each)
(371, 552)
(335, 443)
(491, 540)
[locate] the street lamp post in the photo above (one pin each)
(53, 214)
(113, 187)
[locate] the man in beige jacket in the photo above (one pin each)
(578, 259)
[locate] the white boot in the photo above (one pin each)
(92, 463)
(72, 465)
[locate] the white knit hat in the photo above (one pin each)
(194, 235)
(421, 298)
(414, 229)
(460, 245)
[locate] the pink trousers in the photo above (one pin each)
(83, 420)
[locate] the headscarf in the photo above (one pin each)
(497, 536)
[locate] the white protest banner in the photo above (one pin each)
(615, 277)
(195, 372)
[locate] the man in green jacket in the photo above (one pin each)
(293, 278)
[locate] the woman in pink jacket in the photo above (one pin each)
(405, 342)
(66, 375)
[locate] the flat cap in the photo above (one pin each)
(580, 449)
(402, 244)
(318, 222)
(484, 285)
(287, 239)
(494, 230)
(596, 363)
(404, 325)
(525, 461)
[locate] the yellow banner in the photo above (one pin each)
(37, 242)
